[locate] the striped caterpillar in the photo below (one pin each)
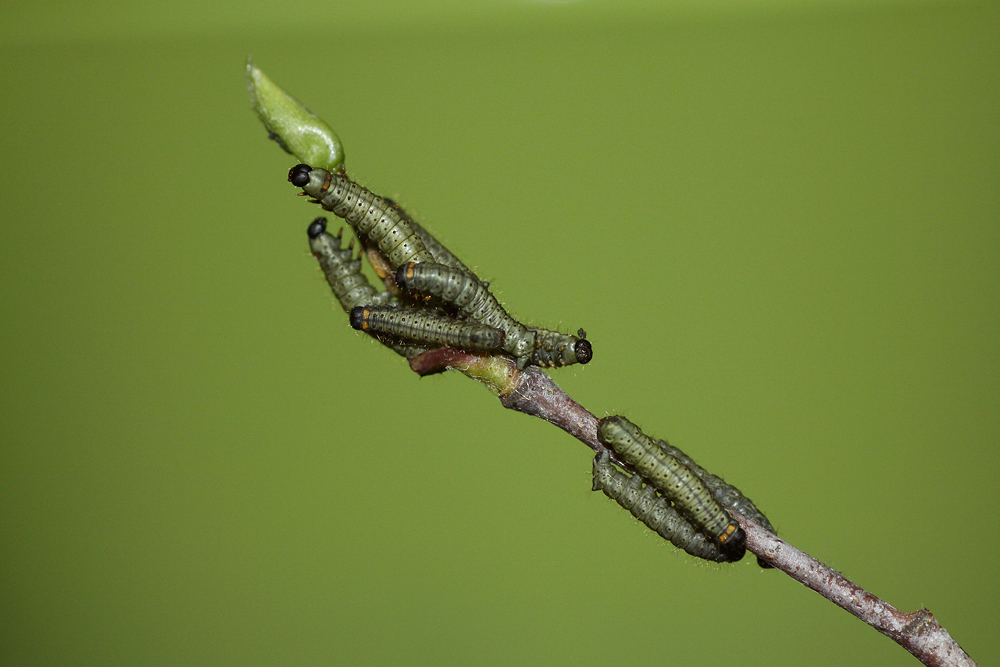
(371, 216)
(648, 506)
(349, 285)
(426, 326)
(675, 481)
(342, 271)
(474, 301)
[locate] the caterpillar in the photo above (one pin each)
(475, 302)
(342, 272)
(349, 285)
(419, 324)
(675, 481)
(653, 510)
(371, 216)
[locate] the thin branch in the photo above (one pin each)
(917, 632)
(534, 393)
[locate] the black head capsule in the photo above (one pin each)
(316, 227)
(299, 175)
(735, 546)
(401, 273)
(358, 317)
(583, 351)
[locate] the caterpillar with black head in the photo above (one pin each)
(342, 269)
(675, 481)
(649, 507)
(475, 302)
(349, 285)
(419, 324)
(372, 217)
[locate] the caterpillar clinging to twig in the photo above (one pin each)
(648, 506)
(675, 481)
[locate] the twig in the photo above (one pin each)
(534, 393)
(917, 632)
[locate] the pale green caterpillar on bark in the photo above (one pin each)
(649, 507)
(372, 217)
(675, 481)
(475, 302)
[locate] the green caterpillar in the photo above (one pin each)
(419, 324)
(653, 510)
(372, 217)
(675, 481)
(349, 285)
(342, 270)
(475, 302)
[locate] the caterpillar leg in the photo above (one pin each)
(349, 285)
(342, 269)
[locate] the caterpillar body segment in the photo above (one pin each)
(654, 511)
(473, 300)
(675, 481)
(425, 326)
(372, 217)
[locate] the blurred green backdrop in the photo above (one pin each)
(780, 227)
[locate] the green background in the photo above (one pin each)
(779, 225)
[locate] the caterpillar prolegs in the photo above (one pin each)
(342, 269)
(676, 482)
